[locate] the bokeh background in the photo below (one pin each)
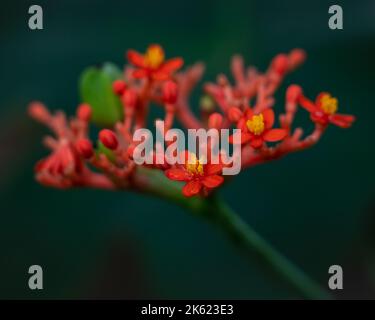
(317, 207)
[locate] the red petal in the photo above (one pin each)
(160, 75)
(177, 174)
(212, 181)
(307, 104)
(191, 188)
(275, 135)
(210, 169)
(140, 73)
(256, 143)
(172, 65)
(269, 118)
(245, 137)
(248, 113)
(319, 117)
(136, 58)
(342, 120)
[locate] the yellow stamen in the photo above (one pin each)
(154, 56)
(256, 124)
(194, 166)
(329, 104)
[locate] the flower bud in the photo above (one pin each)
(280, 64)
(129, 98)
(84, 112)
(215, 121)
(170, 92)
(293, 92)
(84, 148)
(38, 111)
(297, 57)
(234, 114)
(119, 87)
(108, 138)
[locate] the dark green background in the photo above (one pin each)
(317, 207)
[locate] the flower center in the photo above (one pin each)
(329, 104)
(256, 124)
(194, 166)
(154, 56)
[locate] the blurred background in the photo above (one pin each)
(317, 207)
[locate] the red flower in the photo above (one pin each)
(257, 128)
(152, 64)
(198, 176)
(323, 111)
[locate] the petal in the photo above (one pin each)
(248, 113)
(245, 137)
(319, 117)
(241, 124)
(191, 188)
(160, 75)
(140, 73)
(275, 135)
(342, 120)
(256, 143)
(307, 104)
(210, 168)
(172, 65)
(269, 118)
(136, 58)
(177, 174)
(212, 181)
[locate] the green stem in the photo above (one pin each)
(261, 251)
(241, 234)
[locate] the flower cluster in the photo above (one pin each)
(247, 104)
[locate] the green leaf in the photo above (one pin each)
(96, 90)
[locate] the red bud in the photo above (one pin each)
(84, 112)
(108, 138)
(84, 148)
(215, 121)
(297, 57)
(293, 93)
(129, 98)
(119, 87)
(38, 111)
(280, 64)
(234, 114)
(170, 92)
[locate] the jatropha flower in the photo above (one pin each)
(152, 64)
(199, 177)
(108, 161)
(323, 111)
(257, 128)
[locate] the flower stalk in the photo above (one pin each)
(245, 238)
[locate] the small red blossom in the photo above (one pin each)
(119, 87)
(198, 176)
(85, 148)
(152, 64)
(84, 112)
(257, 128)
(323, 111)
(108, 138)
